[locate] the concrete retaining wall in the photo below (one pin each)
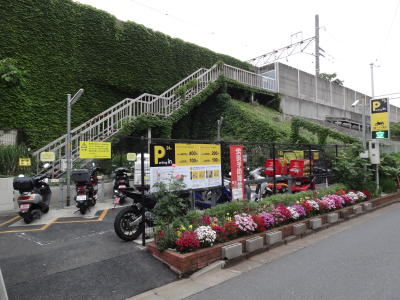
(6, 194)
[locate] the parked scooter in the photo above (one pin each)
(86, 187)
(129, 224)
(204, 199)
(262, 189)
(121, 182)
(35, 195)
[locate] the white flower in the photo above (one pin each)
(314, 204)
(361, 195)
(294, 214)
(206, 235)
(353, 195)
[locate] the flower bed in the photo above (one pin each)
(209, 234)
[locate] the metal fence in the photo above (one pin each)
(256, 154)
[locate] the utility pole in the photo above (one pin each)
(70, 102)
(317, 54)
(372, 80)
(373, 95)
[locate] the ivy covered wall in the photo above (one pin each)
(64, 46)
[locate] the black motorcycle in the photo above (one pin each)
(121, 182)
(34, 196)
(129, 224)
(86, 188)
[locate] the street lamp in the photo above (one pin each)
(70, 102)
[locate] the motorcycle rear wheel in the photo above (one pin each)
(123, 224)
(28, 218)
(83, 209)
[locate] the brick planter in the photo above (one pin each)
(190, 262)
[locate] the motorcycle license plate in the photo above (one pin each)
(116, 200)
(24, 207)
(298, 182)
(81, 198)
(122, 186)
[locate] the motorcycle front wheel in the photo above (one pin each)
(124, 224)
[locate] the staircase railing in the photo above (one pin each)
(109, 122)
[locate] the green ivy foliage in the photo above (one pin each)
(64, 46)
(322, 132)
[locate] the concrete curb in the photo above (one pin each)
(205, 278)
(3, 291)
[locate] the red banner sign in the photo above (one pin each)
(237, 172)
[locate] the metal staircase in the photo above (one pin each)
(109, 122)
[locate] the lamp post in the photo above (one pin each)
(70, 102)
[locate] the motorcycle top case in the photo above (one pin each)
(23, 184)
(81, 176)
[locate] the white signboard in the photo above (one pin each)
(198, 164)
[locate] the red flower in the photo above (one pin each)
(341, 192)
(231, 229)
(221, 233)
(187, 242)
(307, 206)
(206, 220)
(366, 193)
(259, 221)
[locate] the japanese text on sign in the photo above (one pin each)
(94, 150)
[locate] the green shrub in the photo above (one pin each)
(170, 204)
(9, 159)
(352, 169)
(110, 59)
(388, 185)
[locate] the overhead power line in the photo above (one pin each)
(281, 53)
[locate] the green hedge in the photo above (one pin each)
(322, 132)
(63, 46)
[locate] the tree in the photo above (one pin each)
(331, 77)
(10, 73)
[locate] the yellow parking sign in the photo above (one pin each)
(24, 162)
(100, 150)
(47, 156)
(131, 156)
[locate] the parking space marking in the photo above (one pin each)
(10, 220)
(99, 219)
(44, 227)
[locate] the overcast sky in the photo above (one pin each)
(353, 33)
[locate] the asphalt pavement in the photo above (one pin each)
(361, 261)
(77, 261)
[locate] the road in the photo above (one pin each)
(77, 261)
(361, 262)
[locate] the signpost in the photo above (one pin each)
(93, 150)
(237, 171)
(379, 129)
(25, 162)
(380, 118)
(47, 156)
(198, 164)
(131, 156)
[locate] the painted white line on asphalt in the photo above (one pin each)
(68, 212)
(24, 236)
